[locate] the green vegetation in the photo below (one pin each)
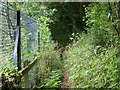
(92, 61)
(92, 67)
(50, 65)
(67, 19)
(83, 38)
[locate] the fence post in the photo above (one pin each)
(26, 76)
(38, 41)
(19, 42)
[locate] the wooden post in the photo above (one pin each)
(26, 76)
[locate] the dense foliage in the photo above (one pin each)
(92, 59)
(67, 19)
(92, 62)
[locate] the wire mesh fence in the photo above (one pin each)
(9, 42)
(29, 37)
(8, 20)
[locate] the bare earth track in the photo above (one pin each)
(64, 84)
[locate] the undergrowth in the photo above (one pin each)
(92, 67)
(93, 61)
(50, 68)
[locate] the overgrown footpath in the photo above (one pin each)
(53, 73)
(50, 72)
(64, 80)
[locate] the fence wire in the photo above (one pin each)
(8, 32)
(28, 37)
(8, 20)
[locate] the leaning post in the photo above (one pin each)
(19, 42)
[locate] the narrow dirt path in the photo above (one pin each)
(64, 84)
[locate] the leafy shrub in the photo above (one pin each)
(53, 80)
(93, 62)
(99, 25)
(87, 69)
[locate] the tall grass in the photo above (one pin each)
(50, 64)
